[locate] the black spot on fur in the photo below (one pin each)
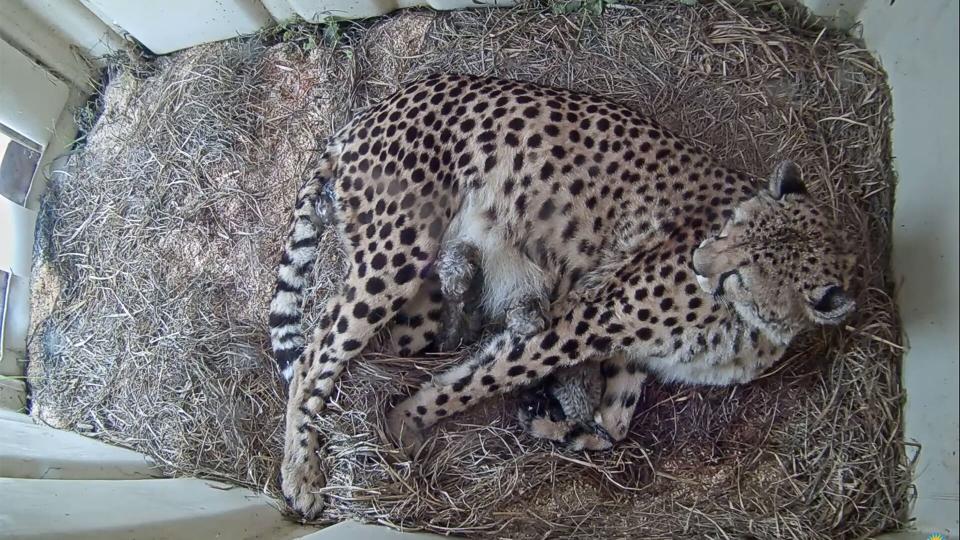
(375, 285)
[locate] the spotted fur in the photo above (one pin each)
(601, 238)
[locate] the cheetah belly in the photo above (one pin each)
(734, 360)
(508, 274)
(703, 371)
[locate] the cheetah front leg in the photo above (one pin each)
(507, 362)
(623, 388)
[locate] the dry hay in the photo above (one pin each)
(158, 247)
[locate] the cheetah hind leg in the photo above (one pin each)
(350, 319)
(415, 329)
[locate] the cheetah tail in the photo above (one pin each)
(313, 211)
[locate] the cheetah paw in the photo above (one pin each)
(302, 481)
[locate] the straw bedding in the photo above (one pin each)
(158, 242)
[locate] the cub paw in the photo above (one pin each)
(588, 436)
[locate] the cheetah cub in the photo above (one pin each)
(599, 238)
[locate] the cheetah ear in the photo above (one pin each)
(786, 179)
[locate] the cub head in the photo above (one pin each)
(779, 260)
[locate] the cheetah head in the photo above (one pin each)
(779, 261)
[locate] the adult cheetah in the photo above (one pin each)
(598, 235)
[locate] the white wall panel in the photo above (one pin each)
(30, 97)
(75, 25)
(28, 450)
(172, 25)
